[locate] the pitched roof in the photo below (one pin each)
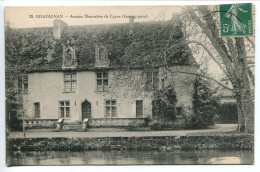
(145, 47)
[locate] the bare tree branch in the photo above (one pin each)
(216, 42)
(197, 74)
(249, 40)
(211, 55)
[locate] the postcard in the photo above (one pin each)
(129, 85)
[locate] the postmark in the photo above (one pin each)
(236, 20)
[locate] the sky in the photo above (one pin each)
(26, 17)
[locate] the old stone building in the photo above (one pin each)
(106, 71)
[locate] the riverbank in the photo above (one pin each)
(228, 141)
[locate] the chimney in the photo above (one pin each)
(131, 25)
(58, 26)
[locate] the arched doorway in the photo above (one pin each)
(86, 109)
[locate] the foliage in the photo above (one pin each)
(164, 104)
(156, 125)
(204, 106)
(227, 113)
(23, 51)
(13, 70)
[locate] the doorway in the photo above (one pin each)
(86, 109)
(139, 108)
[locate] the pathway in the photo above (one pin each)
(217, 129)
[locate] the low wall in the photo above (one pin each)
(117, 122)
(92, 122)
(238, 142)
(40, 123)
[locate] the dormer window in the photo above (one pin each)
(101, 56)
(69, 57)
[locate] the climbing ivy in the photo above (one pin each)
(204, 106)
(146, 46)
(164, 104)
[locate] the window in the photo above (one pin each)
(69, 55)
(64, 109)
(70, 82)
(111, 109)
(102, 81)
(37, 110)
(23, 83)
(139, 108)
(179, 111)
(152, 81)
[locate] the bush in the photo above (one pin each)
(204, 106)
(202, 119)
(164, 104)
(15, 124)
(133, 126)
(156, 126)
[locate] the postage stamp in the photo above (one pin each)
(236, 20)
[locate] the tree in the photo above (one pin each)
(232, 60)
(204, 106)
(17, 61)
(12, 73)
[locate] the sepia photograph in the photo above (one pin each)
(130, 85)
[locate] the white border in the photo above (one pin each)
(191, 168)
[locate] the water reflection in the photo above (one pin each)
(225, 160)
(129, 157)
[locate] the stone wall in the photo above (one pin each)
(47, 88)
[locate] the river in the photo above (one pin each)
(19, 158)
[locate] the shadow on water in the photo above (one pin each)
(19, 158)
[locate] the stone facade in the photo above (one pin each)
(124, 87)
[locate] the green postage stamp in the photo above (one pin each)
(236, 20)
